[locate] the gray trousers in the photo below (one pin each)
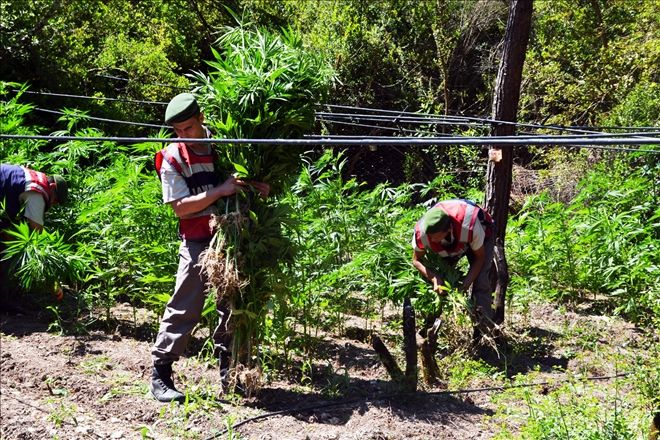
(482, 294)
(184, 309)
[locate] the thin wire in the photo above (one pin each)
(38, 408)
(464, 120)
(555, 127)
(608, 127)
(397, 120)
(150, 84)
(115, 121)
(95, 98)
(588, 134)
(380, 127)
(410, 394)
(483, 142)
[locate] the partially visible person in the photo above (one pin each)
(451, 229)
(35, 192)
(33, 189)
(191, 185)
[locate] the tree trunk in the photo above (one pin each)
(386, 358)
(429, 348)
(409, 345)
(505, 108)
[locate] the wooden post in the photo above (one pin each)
(505, 108)
(386, 358)
(429, 349)
(409, 345)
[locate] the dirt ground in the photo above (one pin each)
(95, 387)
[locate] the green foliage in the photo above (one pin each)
(41, 260)
(604, 242)
(353, 254)
(128, 231)
(114, 235)
(570, 411)
(145, 42)
(641, 107)
(586, 58)
(400, 53)
(263, 85)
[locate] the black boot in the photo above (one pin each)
(162, 386)
(224, 362)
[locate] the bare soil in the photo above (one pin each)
(95, 387)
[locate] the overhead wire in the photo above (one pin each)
(441, 120)
(483, 142)
(93, 118)
(403, 117)
(380, 127)
(374, 115)
(397, 120)
(478, 119)
(141, 82)
(91, 98)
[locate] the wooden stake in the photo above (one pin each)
(410, 345)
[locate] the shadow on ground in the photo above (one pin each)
(306, 406)
(534, 351)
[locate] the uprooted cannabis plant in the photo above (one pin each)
(262, 85)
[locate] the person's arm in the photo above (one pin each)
(262, 188)
(192, 204)
(35, 206)
(475, 268)
(426, 272)
(34, 225)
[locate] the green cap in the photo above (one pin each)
(183, 106)
(435, 220)
(61, 189)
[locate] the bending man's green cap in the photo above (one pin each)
(61, 189)
(434, 220)
(182, 107)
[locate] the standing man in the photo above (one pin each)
(33, 189)
(453, 228)
(191, 186)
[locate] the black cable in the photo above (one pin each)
(94, 98)
(381, 127)
(483, 142)
(466, 122)
(483, 119)
(141, 82)
(589, 135)
(463, 120)
(408, 394)
(41, 409)
(398, 120)
(607, 127)
(93, 118)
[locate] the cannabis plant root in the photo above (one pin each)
(220, 262)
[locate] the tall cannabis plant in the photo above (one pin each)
(262, 84)
(40, 260)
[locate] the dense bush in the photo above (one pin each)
(603, 242)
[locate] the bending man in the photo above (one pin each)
(453, 228)
(35, 190)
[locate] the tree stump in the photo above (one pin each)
(408, 381)
(386, 358)
(410, 345)
(429, 347)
